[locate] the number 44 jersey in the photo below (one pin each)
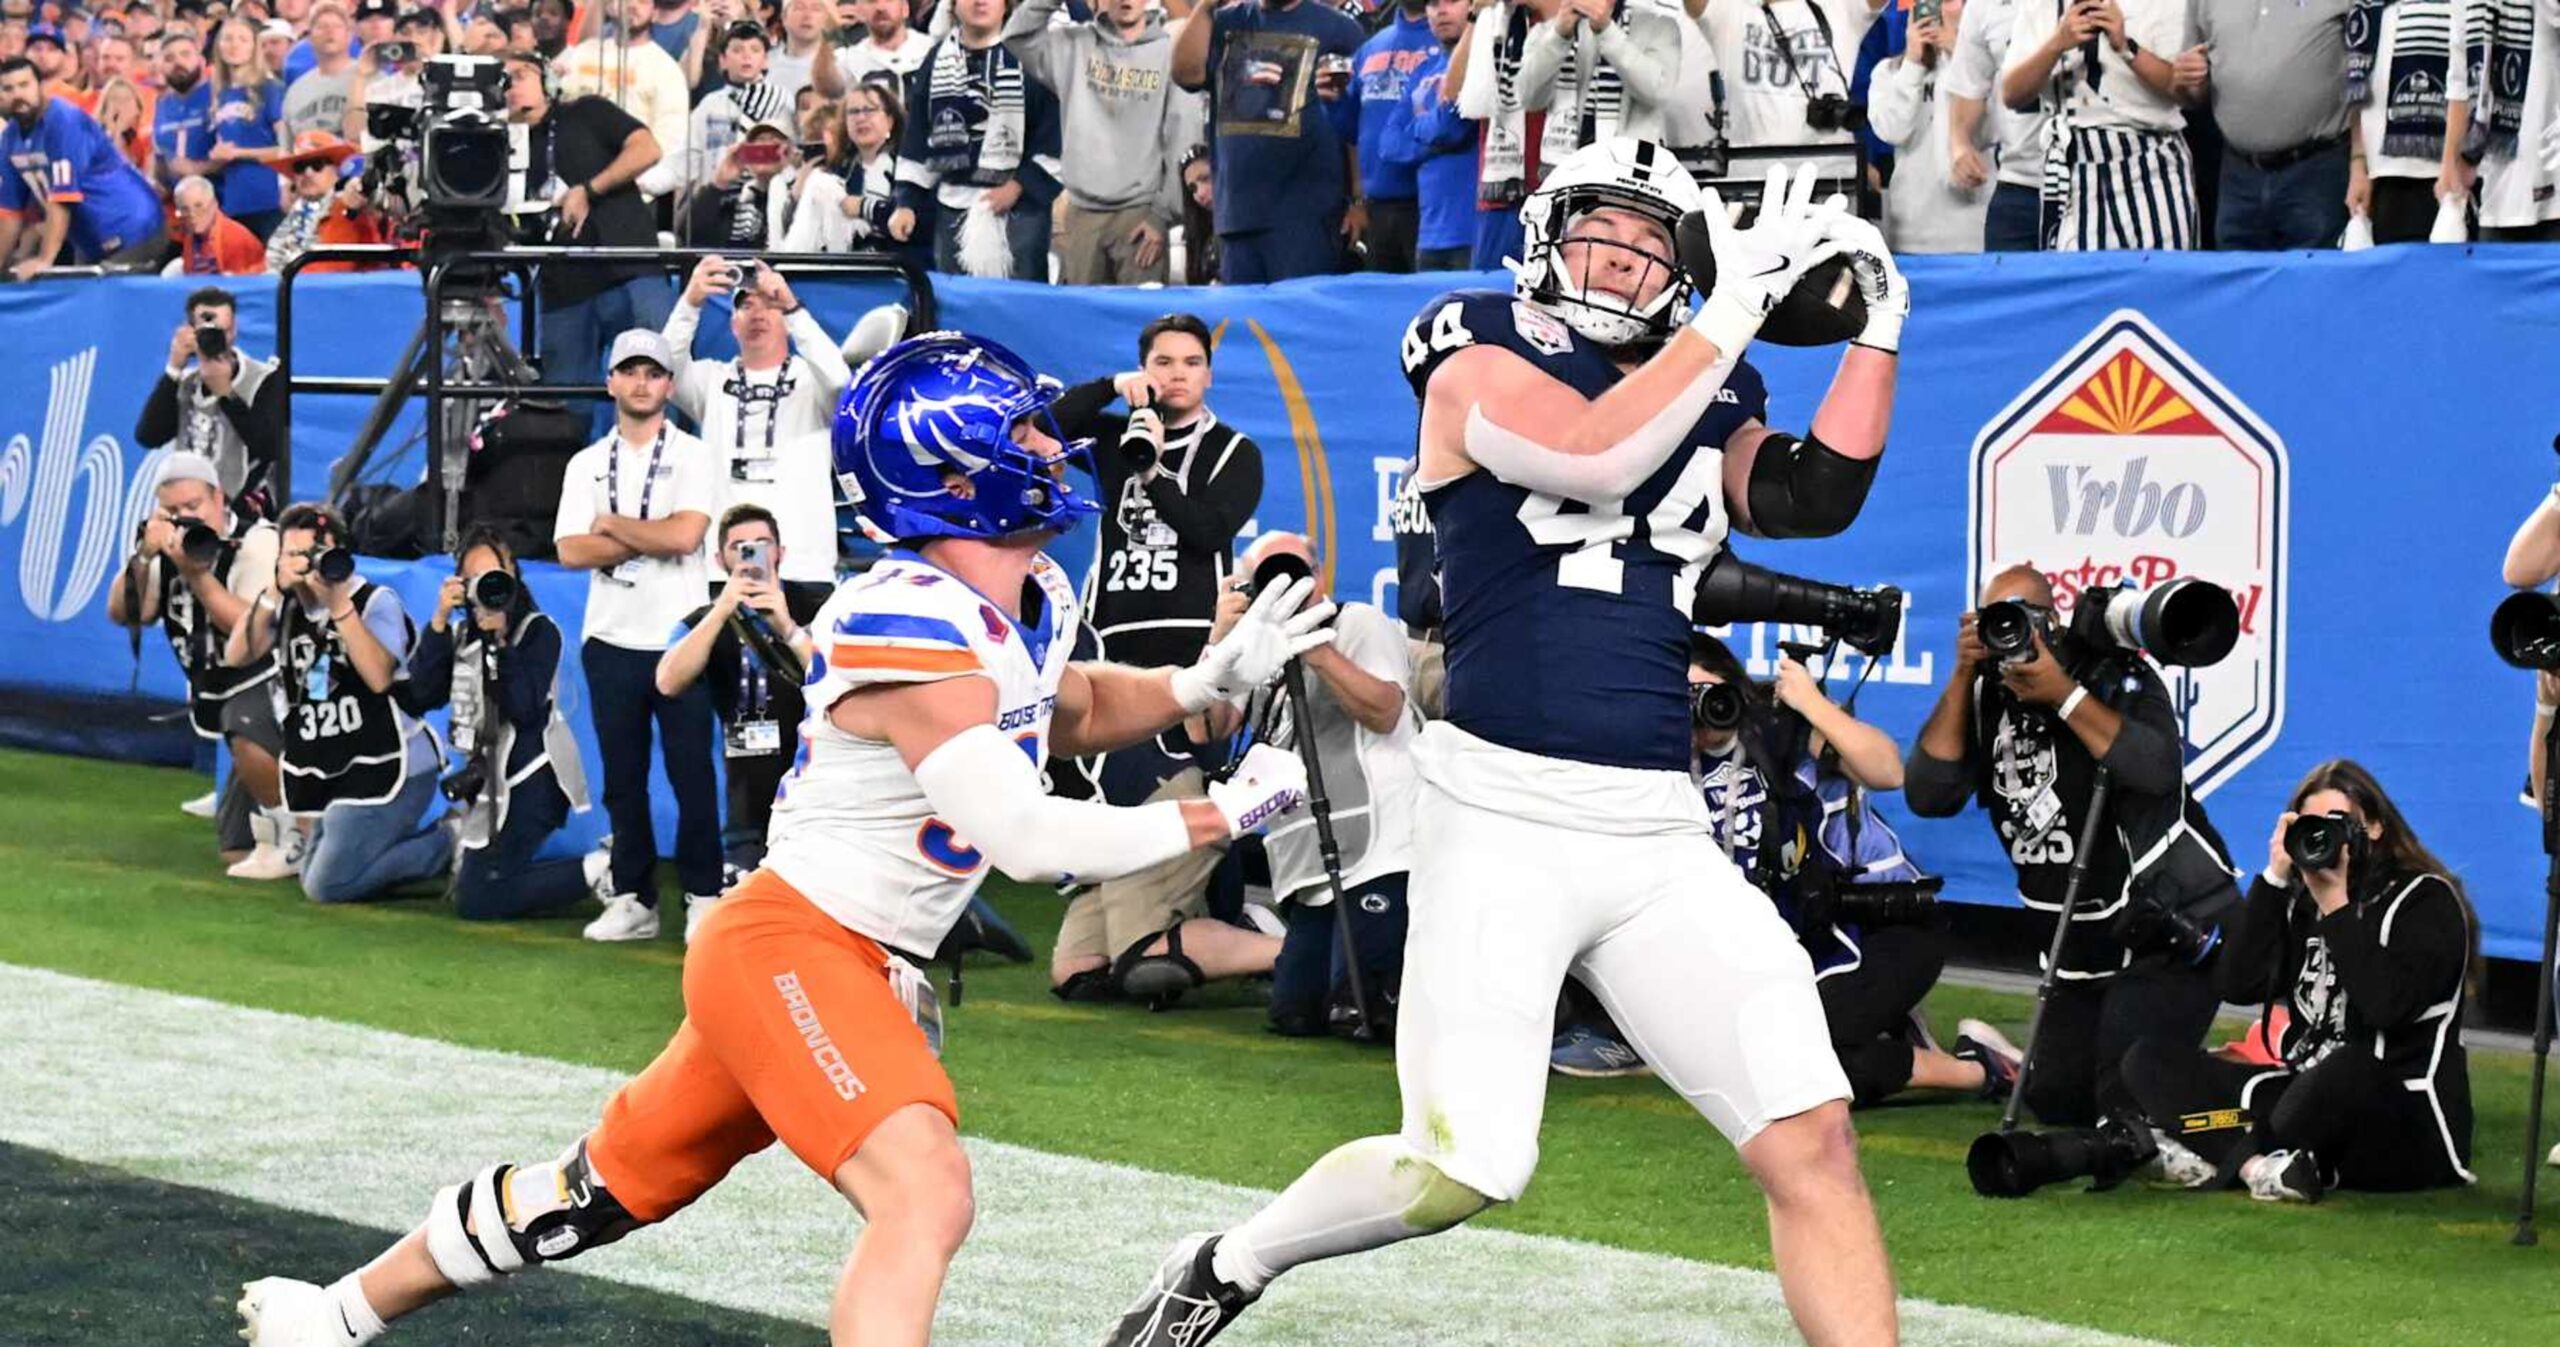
(1567, 621)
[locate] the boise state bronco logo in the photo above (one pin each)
(2126, 462)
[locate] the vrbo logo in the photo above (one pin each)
(2128, 506)
(63, 558)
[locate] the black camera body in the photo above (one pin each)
(336, 564)
(212, 342)
(492, 591)
(2323, 842)
(1715, 706)
(2009, 629)
(2149, 925)
(1821, 900)
(1832, 112)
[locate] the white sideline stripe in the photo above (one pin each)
(362, 1125)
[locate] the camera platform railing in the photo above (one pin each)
(449, 276)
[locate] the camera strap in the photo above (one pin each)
(1807, 82)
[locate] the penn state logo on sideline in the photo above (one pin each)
(2128, 461)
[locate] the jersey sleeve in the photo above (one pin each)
(1448, 325)
(898, 625)
(69, 139)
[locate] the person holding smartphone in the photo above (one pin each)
(2104, 70)
(753, 643)
(737, 206)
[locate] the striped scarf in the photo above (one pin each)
(2414, 88)
(973, 114)
(2499, 58)
(1503, 180)
(1590, 100)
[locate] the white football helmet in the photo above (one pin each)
(1630, 174)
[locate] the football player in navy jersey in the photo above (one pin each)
(1586, 445)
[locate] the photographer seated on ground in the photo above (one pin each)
(753, 641)
(1802, 771)
(494, 657)
(2367, 942)
(196, 569)
(1364, 723)
(360, 769)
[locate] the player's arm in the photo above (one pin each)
(677, 535)
(1492, 409)
(1106, 706)
(2533, 555)
(985, 787)
(1780, 486)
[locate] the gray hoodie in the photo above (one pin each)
(1125, 124)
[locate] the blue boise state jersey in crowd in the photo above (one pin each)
(1567, 621)
(69, 158)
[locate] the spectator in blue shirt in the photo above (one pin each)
(248, 129)
(374, 19)
(1278, 74)
(1382, 73)
(66, 171)
(182, 117)
(1427, 133)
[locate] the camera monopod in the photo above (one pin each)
(1984, 1161)
(1293, 684)
(2526, 631)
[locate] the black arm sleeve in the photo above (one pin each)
(2146, 757)
(426, 682)
(1083, 412)
(159, 422)
(525, 673)
(1934, 787)
(1207, 519)
(2247, 973)
(2401, 953)
(1805, 488)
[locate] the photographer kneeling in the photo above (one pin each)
(2026, 731)
(494, 657)
(1363, 721)
(353, 761)
(1787, 795)
(196, 568)
(2367, 941)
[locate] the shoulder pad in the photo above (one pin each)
(1464, 318)
(902, 623)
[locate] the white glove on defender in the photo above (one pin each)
(1756, 267)
(1274, 631)
(1880, 282)
(1268, 783)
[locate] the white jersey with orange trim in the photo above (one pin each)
(851, 828)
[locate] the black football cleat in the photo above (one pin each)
(1185, 1305)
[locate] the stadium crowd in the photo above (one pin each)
(1136, 141)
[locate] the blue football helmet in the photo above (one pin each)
(944, 404)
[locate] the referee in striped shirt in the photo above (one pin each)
(2115, 160)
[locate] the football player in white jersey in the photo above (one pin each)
(939, 685)
(1586, 443)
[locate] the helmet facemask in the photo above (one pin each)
(1564, 287)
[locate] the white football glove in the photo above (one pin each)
(1268, 783)
(1274, 631)
(1879, 281)
(1756, 267)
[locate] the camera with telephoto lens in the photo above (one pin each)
(1831, 112)
(2149, 925)
(1733, 590)
(1715, 706)
(2186, 621)
(1821, 900)
(2014, 1164)
(2321, 841)
(335, 564)
(199, 542)
(492, 591)
(212, 342)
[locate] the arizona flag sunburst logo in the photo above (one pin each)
(2127, 463)
(2125, 397)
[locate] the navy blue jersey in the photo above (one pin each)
(1567, 621)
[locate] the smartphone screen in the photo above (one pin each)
(1928, 11)
(760, 153)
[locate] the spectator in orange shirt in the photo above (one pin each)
(320, 207)
(210, 242)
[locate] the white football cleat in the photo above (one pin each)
(203, 806)
(624, 918)
(282, 1312)
(1982, 1032)
(697, 906)
(278, 853)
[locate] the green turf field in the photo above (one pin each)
(101, 877)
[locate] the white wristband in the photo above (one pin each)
(2072, 703)
(1192, 692)
(1726, 322)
